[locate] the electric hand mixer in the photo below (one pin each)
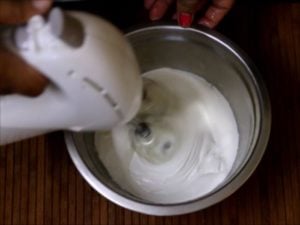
(95, 82)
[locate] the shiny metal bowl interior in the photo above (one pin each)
(215, 58)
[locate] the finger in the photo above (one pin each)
(159, 9)
(189, 6)
(174, 17)
(216, 12)
(17, 77)
(19, 11)
(186, 10)
(148, 3)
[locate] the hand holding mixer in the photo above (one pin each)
(95, 82)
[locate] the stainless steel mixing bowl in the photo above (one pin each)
(220, 62)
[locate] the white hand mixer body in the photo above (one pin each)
(95, 82)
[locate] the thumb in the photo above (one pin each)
(19, 11)
(17, 77)
(186, 10)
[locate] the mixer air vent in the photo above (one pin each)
(111, 101)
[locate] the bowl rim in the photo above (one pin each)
(236, 181)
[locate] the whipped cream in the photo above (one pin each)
(192, 149)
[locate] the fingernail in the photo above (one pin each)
(185, 19)
(41, 5)
(153, 14)
(205, 23)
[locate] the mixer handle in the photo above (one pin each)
(23, 117)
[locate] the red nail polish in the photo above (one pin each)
(185, 19)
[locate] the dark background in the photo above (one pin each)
(126, 13)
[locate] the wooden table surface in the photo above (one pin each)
(40, 185)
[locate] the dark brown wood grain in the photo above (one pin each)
(40, 185)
